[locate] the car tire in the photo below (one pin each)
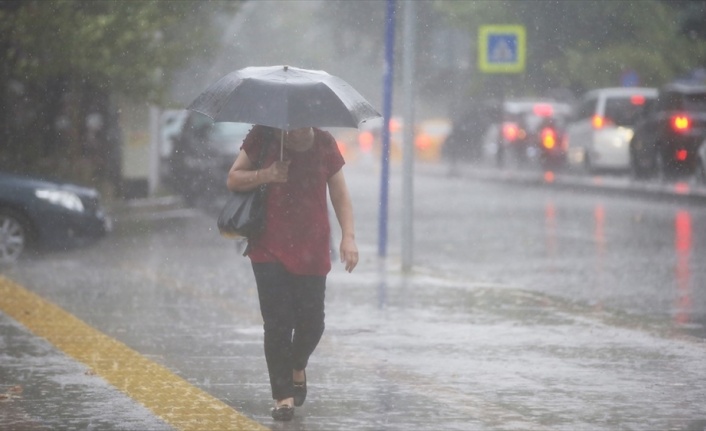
(661, 168)
(645, 166)
(587, 164)
(700, 171)
(15, 236)
(636, 171)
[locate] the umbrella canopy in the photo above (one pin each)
(284, 97)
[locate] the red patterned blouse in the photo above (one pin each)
(297, 231)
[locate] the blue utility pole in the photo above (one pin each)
(386, 114)
(408, 141)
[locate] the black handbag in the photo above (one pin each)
(243, 216)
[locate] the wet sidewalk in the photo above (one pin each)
(496, 357)
(408, 352)
(419, 351)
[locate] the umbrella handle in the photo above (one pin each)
(281, 146)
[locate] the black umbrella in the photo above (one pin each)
(284, 97)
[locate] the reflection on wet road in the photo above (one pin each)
(526, 309)
(682, 246)
(618, 252)
(683, 306)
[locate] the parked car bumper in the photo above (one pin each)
(66, 228)
(611, 148)
(681, 155)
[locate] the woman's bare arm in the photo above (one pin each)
(341, 201)
(242, 177)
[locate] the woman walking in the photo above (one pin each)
(291, 258)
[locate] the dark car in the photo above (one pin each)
(37, 213)
(668, 135)
(550, 140)
(532, 129)
(465, 141)
(701, 164)
(201, 157)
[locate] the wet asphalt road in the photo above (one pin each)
(528, 308)
(628, 251)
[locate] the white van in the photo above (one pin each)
(599, 132)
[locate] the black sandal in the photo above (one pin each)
(283, 413)
(300, 392)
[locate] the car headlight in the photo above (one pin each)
(62, 198)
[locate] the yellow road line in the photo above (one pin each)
(171, 398)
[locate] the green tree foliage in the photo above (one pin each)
(65, 62)
(588, 44)
(123, 46)
(691, 15)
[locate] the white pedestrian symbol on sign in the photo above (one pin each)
(502, 50)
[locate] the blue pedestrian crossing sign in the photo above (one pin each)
(501, 48)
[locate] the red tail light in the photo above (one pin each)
(548, 138)
(681, 155)
(543, 110)
(510, 132)
(680, 123)
(637, 99)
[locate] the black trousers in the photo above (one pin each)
(292, 308)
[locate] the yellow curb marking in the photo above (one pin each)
(171, 398)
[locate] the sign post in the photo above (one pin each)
(408, 141)
(386, 114)
(502, 50)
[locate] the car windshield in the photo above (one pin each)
(227, 137)
(533, 114)
(622, 111)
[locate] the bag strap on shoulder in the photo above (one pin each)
(267, 136)
(263, 150)
(258, 164)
